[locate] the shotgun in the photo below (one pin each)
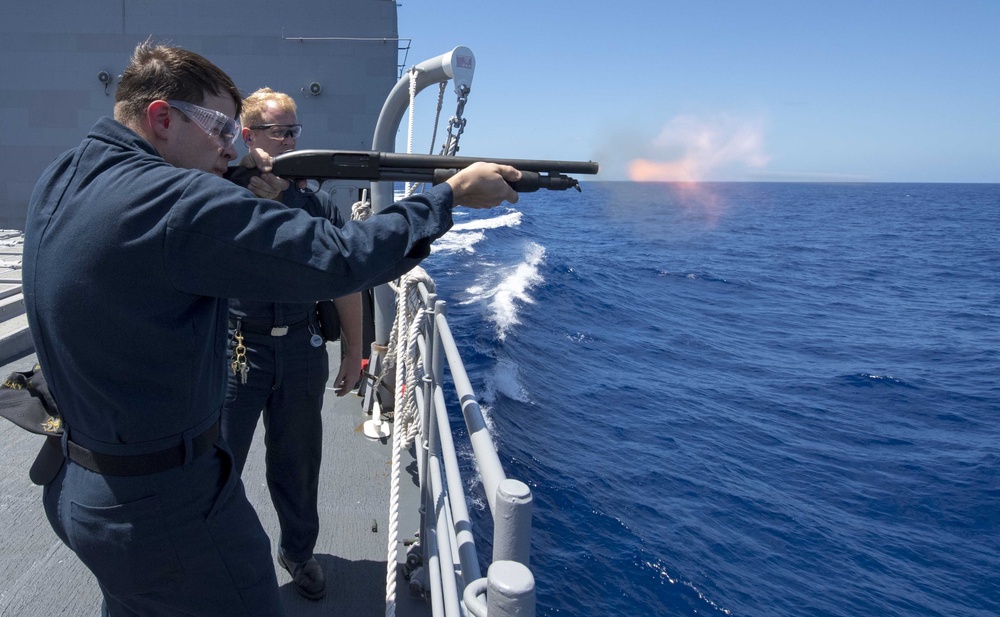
(376, 166)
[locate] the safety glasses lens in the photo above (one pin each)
(284, 131)
(215, 123)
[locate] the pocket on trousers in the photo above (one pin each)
(238, 535)
(126, 546)
(318, 374)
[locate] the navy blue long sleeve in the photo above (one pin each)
(128, 264)
(317, 204)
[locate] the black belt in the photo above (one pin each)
(142, 464)
(268, 329)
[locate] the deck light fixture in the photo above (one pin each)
(105, 78)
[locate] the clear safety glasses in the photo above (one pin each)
(218, 125)
(279, 131)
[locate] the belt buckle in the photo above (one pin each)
(279, 331)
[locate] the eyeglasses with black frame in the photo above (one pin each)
(218, 125)
(279, 131)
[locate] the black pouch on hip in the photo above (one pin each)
(329, 320)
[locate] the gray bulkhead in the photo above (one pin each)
(60, 61)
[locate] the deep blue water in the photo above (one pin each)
(744, 399)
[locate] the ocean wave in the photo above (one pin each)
(703, 276)
(453, 242)
(510, 219)
(472, 479)
(580, 337)
(506, 289)
(872, 380)
(513, 290)
(660, 569)
(505, 380)
(463, 237)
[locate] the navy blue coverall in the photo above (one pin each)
(286, 379)
(128, 265)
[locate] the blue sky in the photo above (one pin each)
(762, 91)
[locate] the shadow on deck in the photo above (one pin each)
(39, 576)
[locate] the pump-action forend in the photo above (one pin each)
(388, 166)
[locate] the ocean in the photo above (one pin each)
(742, 398)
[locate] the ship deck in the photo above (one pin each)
(39, 576)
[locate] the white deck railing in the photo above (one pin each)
(447, 549)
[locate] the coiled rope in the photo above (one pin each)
(362, 210)
(411, 317)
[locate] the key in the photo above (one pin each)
(240, 357)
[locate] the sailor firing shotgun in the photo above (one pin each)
(388, 166)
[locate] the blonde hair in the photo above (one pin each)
(255, 105)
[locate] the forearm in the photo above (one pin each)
(349, 311)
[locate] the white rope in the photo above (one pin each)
(437, 115)
(362, 210)
(411, 316)
(411, 187)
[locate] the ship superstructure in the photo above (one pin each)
(60, 61)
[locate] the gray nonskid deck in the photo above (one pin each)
(39, 576)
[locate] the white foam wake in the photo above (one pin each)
(511, 219)
(505, 379)
(512, 291)
(453, 242)
(463, 237)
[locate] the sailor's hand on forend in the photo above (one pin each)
(484, 185)
(266, 185)
(259, 158)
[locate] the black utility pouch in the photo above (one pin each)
(329, 320)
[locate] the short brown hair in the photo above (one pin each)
(255, 105)
(168, 73)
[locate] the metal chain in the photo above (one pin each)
(450, 146)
